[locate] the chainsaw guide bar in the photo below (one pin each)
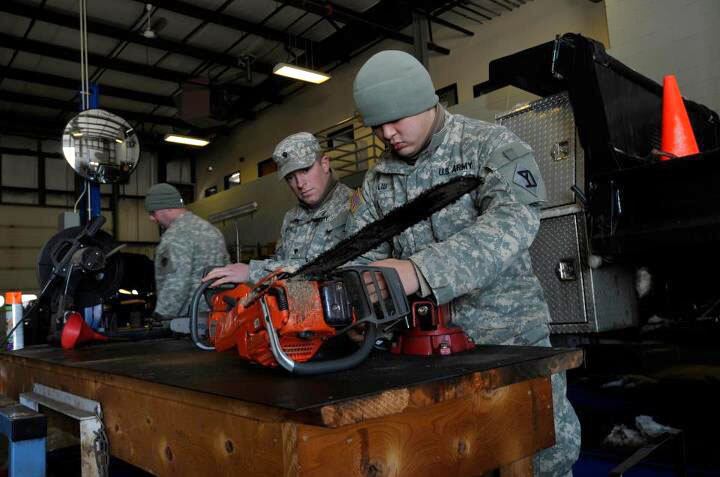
(396, 221)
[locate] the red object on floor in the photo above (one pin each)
(677, 134)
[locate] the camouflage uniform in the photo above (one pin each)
(187, 247)
(307, 232)
(474, 253)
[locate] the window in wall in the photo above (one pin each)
(340, 136)
(187, 191)
(210, 191)
(448, 95)
(266, 167)
(232, 180)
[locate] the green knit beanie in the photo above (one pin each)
(163, 196)
(392, 85)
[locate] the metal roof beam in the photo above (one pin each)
(345, 15)
(229, 21)
(73, 55)
(71, 106)
(74, 85)
(445, 23)
(71, 20)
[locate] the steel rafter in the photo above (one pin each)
(229, 21)
(73, 84)
(347, 16)
(97, 27)
(71, 106)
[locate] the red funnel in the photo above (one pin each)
(76, 331)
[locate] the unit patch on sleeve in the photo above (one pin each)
(356, 200)
(525, 178)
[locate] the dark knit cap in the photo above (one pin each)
(163, 196)
(392, 85)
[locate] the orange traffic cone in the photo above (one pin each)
(76, 331)
(677, 135)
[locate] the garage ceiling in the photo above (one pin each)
(191, 66)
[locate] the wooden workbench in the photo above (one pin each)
(174, 410)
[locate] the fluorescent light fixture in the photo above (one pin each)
(76, 133)
(187, 140)
(298, 73)
(118, 140)
(124, 291)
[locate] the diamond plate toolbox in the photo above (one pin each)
(581, 299)
(548, 126)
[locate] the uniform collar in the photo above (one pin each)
(181, 218)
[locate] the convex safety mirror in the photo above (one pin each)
(101, 146)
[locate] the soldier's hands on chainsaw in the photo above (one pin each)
(233, 273)
(406, 272)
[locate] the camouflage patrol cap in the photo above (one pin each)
(296, 152)
(392, 85)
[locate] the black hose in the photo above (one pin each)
(194, 305)
(335, 365)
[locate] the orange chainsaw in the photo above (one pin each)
(286, 318)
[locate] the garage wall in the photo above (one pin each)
(318, 107)
(660, 37)
(260, 228)
(27, 221)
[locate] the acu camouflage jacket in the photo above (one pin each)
(474, 253)
(306, 233)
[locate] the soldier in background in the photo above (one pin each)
(474, 253)
(187, 247)
(314, 225)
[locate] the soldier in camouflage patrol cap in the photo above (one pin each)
(188, 246)
(474, 253)
(316, 224)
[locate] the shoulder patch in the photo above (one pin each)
(525, 179)
(516, 164)
(356, 200)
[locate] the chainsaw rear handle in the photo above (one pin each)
(194, 305)
(320, 367)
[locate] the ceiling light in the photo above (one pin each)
(118, 140)
(188, 140)
(302, 74)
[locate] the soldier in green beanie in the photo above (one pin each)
(187, 246)
(472, 255)
(314, 225)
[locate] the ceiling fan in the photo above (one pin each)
(152, 27)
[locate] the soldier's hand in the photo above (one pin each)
(406, 272)
(233, 273)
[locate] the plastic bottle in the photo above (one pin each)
(14, 317)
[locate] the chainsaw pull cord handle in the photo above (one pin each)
(320, 367)
(194, 305)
